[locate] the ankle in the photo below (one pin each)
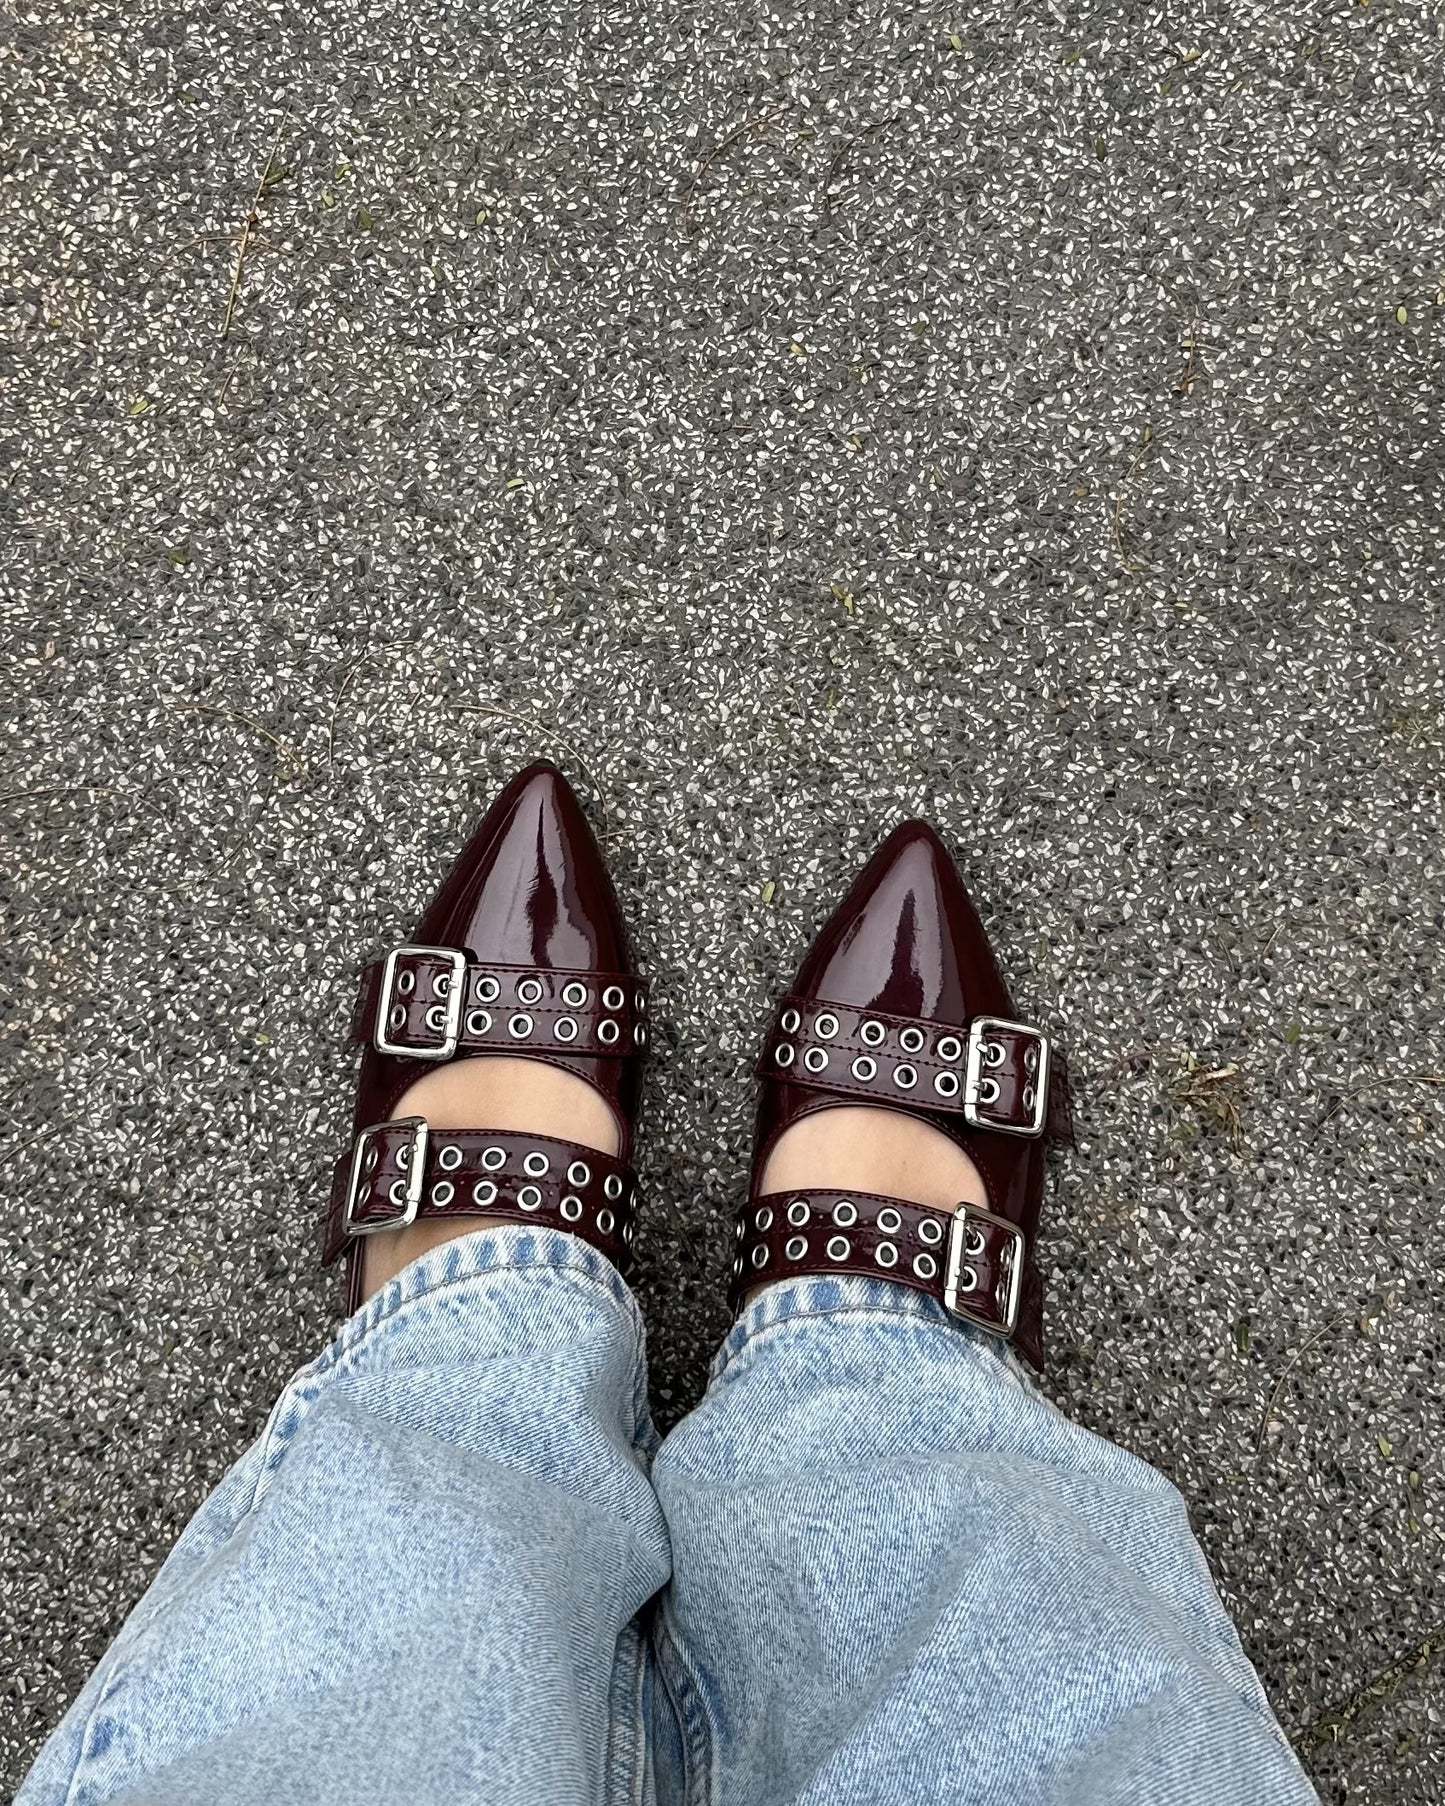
(873, 1150)
(494, 1093)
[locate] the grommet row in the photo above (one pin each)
(446, 1002)
(819, 1232)
(400, 1172)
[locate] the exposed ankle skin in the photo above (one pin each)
(489, 1093)
(871, 1150)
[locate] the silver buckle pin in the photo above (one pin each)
(415, 1176)
(455, 1000)
(963, 1217)
(981, 1031)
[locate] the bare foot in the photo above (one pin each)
(489, 1093)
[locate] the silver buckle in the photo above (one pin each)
(954, 1297)
(456, 998)
(415, 1176)
(980, 1032)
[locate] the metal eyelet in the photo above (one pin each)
(760, 1256)
(484, 1192)
(450, 1158)
(489, 988)
(571, 1208)
(845, 1213)
(791, 1022)
(905, 1077)
(741, 1229)
(912, 1040)
(889, 1221)
(397, 1018)
(536, 1165)
(574, 995)
(949, 1048)
(639, 1003)
(441, 985)
(738, 1267)
(798, 1213)
(405, 982)
(763, 1221)
(608, 1032)
(613, 997)
(886, 1254)
(946, 1084)
(606, 1221)
(825, 1026)
(530, 991)
(993, 1053)
(436, 1018)
(975, 1244)
(1031, 1058)
(629, 1232)
(579, 1173)
(873, 1034)
(529, 1198)
(403, 1157)
(815, 1059)
(797, 1247)
(925, 1266)
(1029, 1095)
(565, 1028)
(639, 1034)
(397, 1193)
(968, 1280)
(988, 1091)
(479, 1022)
(443, 1192)
(784, 1054)
(864, 1068)
(930, 1230)
(612, 1187)
(494, 1159)
(373, 1158)
(839, 1248)
(520, 1026)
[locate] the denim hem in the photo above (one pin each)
(511, 1248)
(860, 1300)
(510, 1256)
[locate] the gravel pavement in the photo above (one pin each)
(788, 417)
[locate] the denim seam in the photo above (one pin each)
(686, 1697)
(104, 1691)
(626, 1726)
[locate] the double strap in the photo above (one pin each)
(975, 1264)
(994, 1073)
(405, 1172)
(433, 1003)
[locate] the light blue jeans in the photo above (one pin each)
(872, 1566)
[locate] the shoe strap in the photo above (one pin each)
(433, 1003)
(404, 1172)
(975, 1264)
(996, 1073)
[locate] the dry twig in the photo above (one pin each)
(540, 727)
(748, 125)
(247, 231)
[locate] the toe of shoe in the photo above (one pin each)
(531, 888)
(906, 940)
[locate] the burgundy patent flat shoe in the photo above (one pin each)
(899, 1004)
(523, 952)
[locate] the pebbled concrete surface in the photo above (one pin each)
(787, 416)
